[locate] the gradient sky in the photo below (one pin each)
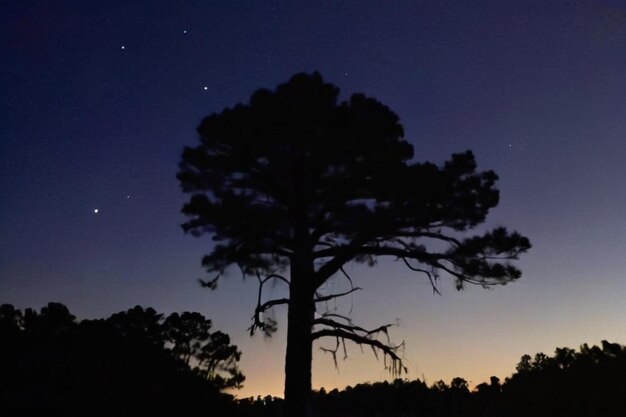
(99, 98)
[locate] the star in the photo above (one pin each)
(123, 46)
(185, 31)
(206, 88)
(95, 211)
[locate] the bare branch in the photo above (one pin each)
(348, 277)
(333, 352)
(323, 298)
(339, 316)
(352, 328)
(333, 266)
(432, 276)
(359, 335)
(397, 366)
(271, 303)
(340, 256)
(267, 326)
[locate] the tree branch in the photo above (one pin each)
(350, 327)
(323, 298)
(349, 252)
(406, 251)
(333, 266)
(431, 235)
(267, 326)
(432, 276)
(397, 365)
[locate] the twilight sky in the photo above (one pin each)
(99, 98)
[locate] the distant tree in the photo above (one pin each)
(296, 181)
(187, 332)
(459, 384)
(53, 319)
(215, 359)
(189, 338)
(564, 357)
(140, 324)
(585, 383)
(524, 365)
(440, 386)
(218, 362)
(11, 321)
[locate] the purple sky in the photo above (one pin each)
(99, 98)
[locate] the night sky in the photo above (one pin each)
(99, 98)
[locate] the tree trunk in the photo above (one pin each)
(299, 354)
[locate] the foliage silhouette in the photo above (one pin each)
(215, 358)
(295, 180)
(124, 365)
(586, 383)
(53, 365)
(569, 384)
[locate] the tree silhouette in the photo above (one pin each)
(192, 341)
(586, 383)
(187, 332)
(296, 181)
(128, 364)
(139, 324)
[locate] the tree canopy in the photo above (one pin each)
(570, 383)
(135, 362)
(296, 180)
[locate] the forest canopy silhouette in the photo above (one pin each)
(295, 184)
(136, 362)
(54, 365)
(584, 383)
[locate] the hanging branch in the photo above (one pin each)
(363, 337)
(432, 275)
(266, 325)
(333, 352)
(388, 350)
(320, 298)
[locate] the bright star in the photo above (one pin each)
(206, 88)
(123, 47)
(95, 211)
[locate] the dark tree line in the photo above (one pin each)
(590, 382)
(135, 362)
(138, 362)
(587, 383)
